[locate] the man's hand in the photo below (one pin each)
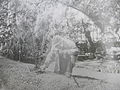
(43, 67)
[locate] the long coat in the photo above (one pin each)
(61, 58)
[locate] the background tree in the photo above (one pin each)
(28, 26)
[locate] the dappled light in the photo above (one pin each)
(59, 44)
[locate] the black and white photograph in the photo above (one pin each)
(59, 44)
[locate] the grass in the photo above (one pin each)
(19, 76)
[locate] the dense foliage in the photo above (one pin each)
(27, 26)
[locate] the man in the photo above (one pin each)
(62, 56)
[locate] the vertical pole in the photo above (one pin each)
(19, 53)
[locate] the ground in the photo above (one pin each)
(21, 76)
